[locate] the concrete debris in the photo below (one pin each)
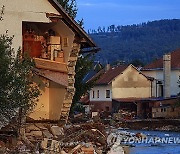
(92, 137)
(31, 127)
(35, 134)
(124, 115)
(86, 138)
(47, 134)
(57, 131)
(88, 150)
(40, 126)
(50, 145)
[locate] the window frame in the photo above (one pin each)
(98, 94)
(108, 93)
(93, 94)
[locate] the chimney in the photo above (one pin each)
(167, 74)
(108, 66)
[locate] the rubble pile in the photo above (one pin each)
(169, 128)
(50, 138)
(124, 115)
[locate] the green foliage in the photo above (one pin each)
(70, 7)
(78, 107)
(145, 42)
(81, 23)
(17, 90)
(84, 63)
(137, 63)
(83, 66)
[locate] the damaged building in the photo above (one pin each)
(43, 29)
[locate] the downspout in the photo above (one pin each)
(156, 89)
(151, 88)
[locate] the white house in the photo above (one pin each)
(117, 84)
(156, 70)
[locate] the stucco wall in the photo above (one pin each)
(131, 84)
(56, 97)
(102, 93)
(41, 111)
(51, 100)
(174, 79)
(17, 11)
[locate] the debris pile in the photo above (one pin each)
(168, 128)
(50, 138)
(124, 115)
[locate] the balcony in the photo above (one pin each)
(51, 65)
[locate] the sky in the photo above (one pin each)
(125, 12)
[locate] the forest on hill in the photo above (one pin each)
(144, 42)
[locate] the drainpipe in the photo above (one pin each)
(151, 88)
(156, 89)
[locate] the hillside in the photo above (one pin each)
(145, 42)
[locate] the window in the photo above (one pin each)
(97, 93)
(93, 94)
(107, 93)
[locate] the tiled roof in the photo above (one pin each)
(158, 64)
(58, 77)
(108, 76)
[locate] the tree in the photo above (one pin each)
(83, 66)
(70, 7)
(137, 63)
(17, 91)
(84, 63)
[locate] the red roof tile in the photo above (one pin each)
(108, 76)
(158, 64)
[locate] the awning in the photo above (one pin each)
(127, 100)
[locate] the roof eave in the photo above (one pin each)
(73, 24)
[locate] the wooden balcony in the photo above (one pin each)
(51, 65)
